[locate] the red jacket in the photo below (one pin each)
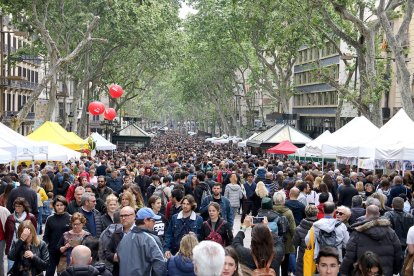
(321, 214)
(70, 194)
(9, 228)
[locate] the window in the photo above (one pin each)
(61, 110)
(24, 72)
(36, 79)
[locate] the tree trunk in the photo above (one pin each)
(51, 108)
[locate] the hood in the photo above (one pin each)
(373, 228)
(183, 264)
(234, 187)
(326, 224)
(307, 223)
(204, 186)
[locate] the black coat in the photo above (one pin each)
(299, 241)
(27, 193)
(245, 254)
(374, 235)
(225, 231)
(110, 251)
(345, 196)
(55, 226)
(38, 263)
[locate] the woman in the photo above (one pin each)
(20, 214)
(343, 214)
(128, 199)
(63, 186)
(231, 262)
(359, 186)
(382, 199)
(234, 193)
(384, 187)
(368, 265)
(301, 231)
(260, 192)
(194, 183)
(93, 179)
(369, 189)
(160, 226)
(28, 252)
(323, 188)
(182, 263)
(41, 197)
(47, 185)
(73, 237)
(316, 183)
(215, 224)
(56, 225)
(264, 246)
(327, 179)
(5, 195)
(112, 211)
(138, 196)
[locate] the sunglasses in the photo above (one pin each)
(339, 213)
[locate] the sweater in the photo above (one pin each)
(234, 194)
(56, 225)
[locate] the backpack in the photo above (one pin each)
(266, 271)
(214, 235)
(159, 191)
(282, 227)
(327, 238)
(205, 194)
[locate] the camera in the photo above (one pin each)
(256, 220)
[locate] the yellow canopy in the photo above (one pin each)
(54, 133)
(77, 138)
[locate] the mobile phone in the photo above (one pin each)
(257, 220)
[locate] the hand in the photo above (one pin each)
(26, 232)
(247, 222)
(116, 258)
(192, 233)
(28, 254)
(168, 254)
(265, 221)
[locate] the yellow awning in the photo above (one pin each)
(54, 133)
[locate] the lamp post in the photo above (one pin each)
(111, 127)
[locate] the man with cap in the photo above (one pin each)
(140, 251)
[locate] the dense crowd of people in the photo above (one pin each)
(171, 209)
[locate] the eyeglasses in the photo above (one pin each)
(77, 224)
(101, 181)
(125, 216)
(339, 213)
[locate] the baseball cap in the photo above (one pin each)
(146, 213)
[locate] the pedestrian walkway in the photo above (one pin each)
(248, 233)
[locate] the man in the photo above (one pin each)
(208, 258)
(201, 189)
(93, 217)
(270, 185)
(143, 181)
(174, 206)
(304, 189)
(373, 234)
(127, 216)
(226, 211)
(76, 203)
(250, 190)
(25, 192)
(103, 190)
(297, 208)
(397, 189)
(346, 193)
(140, 251)
(400, 221)
(209, 179)
(357, 210)
(101, 170)
(153, 186)
(323, 229)
(327, 262)
(115, 182)
(353, 178)
(80, 260)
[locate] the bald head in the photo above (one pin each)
(372, 212)
(269, 175)
(81, 255)
(294, 193)
(127, 209)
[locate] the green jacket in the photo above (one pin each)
(285, 211)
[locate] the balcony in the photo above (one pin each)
(9, 115)
(17, 84)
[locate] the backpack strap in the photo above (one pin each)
(269, 262)
(221, 224)
(208, 225)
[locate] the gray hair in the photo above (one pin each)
(356, 201)
(85, 197)
(372, 201)
(23, 179)
(279, 198)
(80, 188)
(208, 258)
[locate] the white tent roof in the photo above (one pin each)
(134, 130)
(5, 156)
(243, 143)
(102, 143)
(345, 140)
(55, 152)
(314, 147)
(279, 133)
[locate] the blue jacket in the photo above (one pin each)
(180, 265)
(396, 191)
(115, 184)
(250, 189)
(178, 227)
(226, 211)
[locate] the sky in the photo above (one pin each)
(185, 10)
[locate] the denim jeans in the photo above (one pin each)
(2, 247)
(39, 220)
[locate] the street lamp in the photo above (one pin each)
(326, 124)
(111, 127)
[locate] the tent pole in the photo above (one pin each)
(322, 163)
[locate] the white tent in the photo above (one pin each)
(394, 140)
(56, 152)
(243, 143)
(5, 156)
(277, 134)
(102, 143)
(345, 140)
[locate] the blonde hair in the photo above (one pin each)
(261, 190)
(345, 210)
(35, 183)
(317, 182)
(29, 225)
(188, 242)
(359, 186)
(110, 198)
(381, 198)
(131, 199)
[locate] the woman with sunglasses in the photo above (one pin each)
(343, 214)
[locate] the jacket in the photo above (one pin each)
(271, 187)
(245, 254)
(98, 269)
(25, 192)
(110, 250)
(345, 195)
(396, 191)
(225, 231)
(226, 211)
(356, 212)
(38, 263)
(377, 236)
(299, 242)
(115, 184)
(98, 222)
(401, 223)
(56, 225)
(180, 265)
(104, 193)
(198, 193)
(297, 208)
(9, 229)
(328, 225)
(234, 193)
(178, 227)
(146, 249)
(285, 211)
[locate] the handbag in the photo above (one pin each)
(309, 265)
(62, 264)
(408, 264)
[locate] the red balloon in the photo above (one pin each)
(115, 91)
(109, 114)
(96, 108)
